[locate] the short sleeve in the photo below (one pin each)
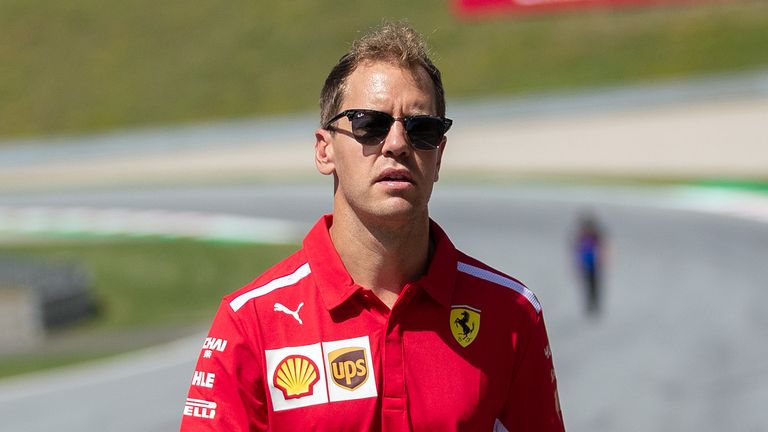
(226, 392)
(533, 404)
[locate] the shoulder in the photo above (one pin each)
(484, 283)
(286, 274)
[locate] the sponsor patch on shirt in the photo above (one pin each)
(296, 378)
(212, 344)
(465, 324)
(350, 367)
(203, 379)
(200, 408)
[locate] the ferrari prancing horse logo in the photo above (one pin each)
(465, 324)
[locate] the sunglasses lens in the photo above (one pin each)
(425, 132)
(371, 128)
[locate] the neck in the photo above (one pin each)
(382, 258)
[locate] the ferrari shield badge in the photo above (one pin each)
(465, 324)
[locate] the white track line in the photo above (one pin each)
(38, 220)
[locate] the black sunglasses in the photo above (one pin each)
(370, 127)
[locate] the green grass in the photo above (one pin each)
(85, 65)
(147, 291)
(755, 186)
(159, 282)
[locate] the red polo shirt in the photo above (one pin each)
(303, 347)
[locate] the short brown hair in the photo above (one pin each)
(395, 42)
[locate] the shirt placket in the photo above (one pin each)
(394, 397)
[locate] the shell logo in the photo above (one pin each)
(296, 376)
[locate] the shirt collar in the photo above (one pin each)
(332, 279)
(336, 285)
(440, 279)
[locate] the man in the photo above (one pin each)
(375, 324)
(588, 248)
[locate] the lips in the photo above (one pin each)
(395, 175)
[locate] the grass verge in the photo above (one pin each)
(756, 186)
(148, 291)
(84, 65)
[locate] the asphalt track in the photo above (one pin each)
(680, 347)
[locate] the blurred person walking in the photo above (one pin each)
(375, 323)
(589, 252)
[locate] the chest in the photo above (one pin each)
(422, 367)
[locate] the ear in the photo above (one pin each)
(440, 158)
(324, 152)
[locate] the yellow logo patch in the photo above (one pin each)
(465, 324)
(296, 376)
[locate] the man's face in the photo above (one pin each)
(391, 182)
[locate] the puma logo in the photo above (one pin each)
(280, 308)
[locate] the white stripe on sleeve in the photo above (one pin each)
(281, 282)
(500, 280)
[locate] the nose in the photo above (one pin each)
(396, 143)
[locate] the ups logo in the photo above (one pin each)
(348, 367)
